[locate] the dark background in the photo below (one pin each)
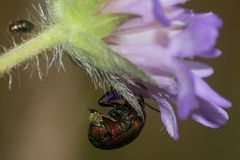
(48, 119)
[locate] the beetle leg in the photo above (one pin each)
(120, 117)
(97, 117)
(123, 122)
(141, 101)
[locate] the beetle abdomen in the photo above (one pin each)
(115, 134)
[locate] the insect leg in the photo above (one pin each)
(125, 123)
(119, 116)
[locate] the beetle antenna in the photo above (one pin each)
(145, 104)
(151, 107)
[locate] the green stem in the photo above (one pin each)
(47, 39)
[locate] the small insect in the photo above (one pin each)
(119, 127)
(21, 26)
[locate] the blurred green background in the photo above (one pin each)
(48, 119)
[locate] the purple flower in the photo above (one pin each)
(163, 42)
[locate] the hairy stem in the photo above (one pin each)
(47, 39)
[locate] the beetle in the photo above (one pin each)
(21, 26)
(119, 126)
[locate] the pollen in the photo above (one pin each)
(95, 118)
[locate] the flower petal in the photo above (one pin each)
(152, 35)
(168, 117)
(145, 9)
(186, 95)
(204, 91)
(211, 54)
(193, 40)
(210, 115)
(198, 68)
(166, 83)
(173, 2)
(159, 13)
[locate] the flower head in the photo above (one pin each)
(162, 42)
(139, 48)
